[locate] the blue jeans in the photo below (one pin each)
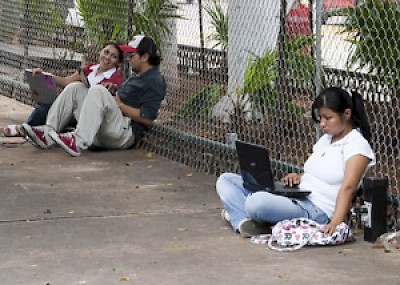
(39, 115)
(262, 206)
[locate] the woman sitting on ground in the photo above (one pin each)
(105, 72)
(333, 172)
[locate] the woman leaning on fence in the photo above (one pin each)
(333, 172)
(104, 72)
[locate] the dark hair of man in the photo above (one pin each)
(338, 100)
(147, 45)
(115, 44)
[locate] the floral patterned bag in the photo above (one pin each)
(291, 235)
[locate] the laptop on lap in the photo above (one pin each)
(43, 87)
(256, 171)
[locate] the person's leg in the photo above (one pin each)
(38, 115)
(233, 195)
(67, 105)
(270, 208)
(101, 121)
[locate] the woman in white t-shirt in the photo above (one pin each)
(333, 172)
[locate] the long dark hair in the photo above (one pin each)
(115, 44)
(338, 100)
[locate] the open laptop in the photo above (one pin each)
(256, 171)
(43, 87)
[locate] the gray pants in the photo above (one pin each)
(100, 121)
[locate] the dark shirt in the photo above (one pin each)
(144, 92)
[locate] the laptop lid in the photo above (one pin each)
(255, 166)
(43, 87)
(256, 171)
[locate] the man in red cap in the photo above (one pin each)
(111, 121)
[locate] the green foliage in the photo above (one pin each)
(301, 65)
(106, 20)
(219, 20)
(44, 18)
(201, 103)
(375, 29)
(259, 80)
(262, 71)
(150, 17)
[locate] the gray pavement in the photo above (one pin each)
(132, 217)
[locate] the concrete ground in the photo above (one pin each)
(132, 217)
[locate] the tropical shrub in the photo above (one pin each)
(374, 27)
(105, 20)
(201, 103)
(219, 20)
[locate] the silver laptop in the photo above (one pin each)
(256, 171)
(43, 87)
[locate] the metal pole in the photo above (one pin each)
(310, 22)
(281, 74)
(130, 18)
(201, 37)
(201, 25)
(25, 40)
(318, 57)
(127, 71)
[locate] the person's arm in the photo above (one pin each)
(132, 113)
(64, 81)
(354, 170)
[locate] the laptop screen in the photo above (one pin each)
(255, 166)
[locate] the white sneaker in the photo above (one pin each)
(225, 215)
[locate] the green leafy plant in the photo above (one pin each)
(201, 103)
(259, 79)
(374, 28)
(105, 20)
(219, 20)
(151, 17)
(300, 64)
(44, 18)
(261, 74)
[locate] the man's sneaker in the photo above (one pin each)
(37, 136)
(249, 228)
(225, 215)
(67, 141)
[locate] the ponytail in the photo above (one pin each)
(338, 100)
(359, 116)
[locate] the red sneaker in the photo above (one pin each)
(67, 141)
(37, 135)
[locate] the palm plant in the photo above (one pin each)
(44, 19)
(375, 35)
(219, 20)
(301, 66)
(201, 103)
(259, 78)
(105, 20)
(151, 17)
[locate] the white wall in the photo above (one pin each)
(253, 28)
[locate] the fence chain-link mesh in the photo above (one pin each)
(235, 69)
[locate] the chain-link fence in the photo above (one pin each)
(257, 86)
